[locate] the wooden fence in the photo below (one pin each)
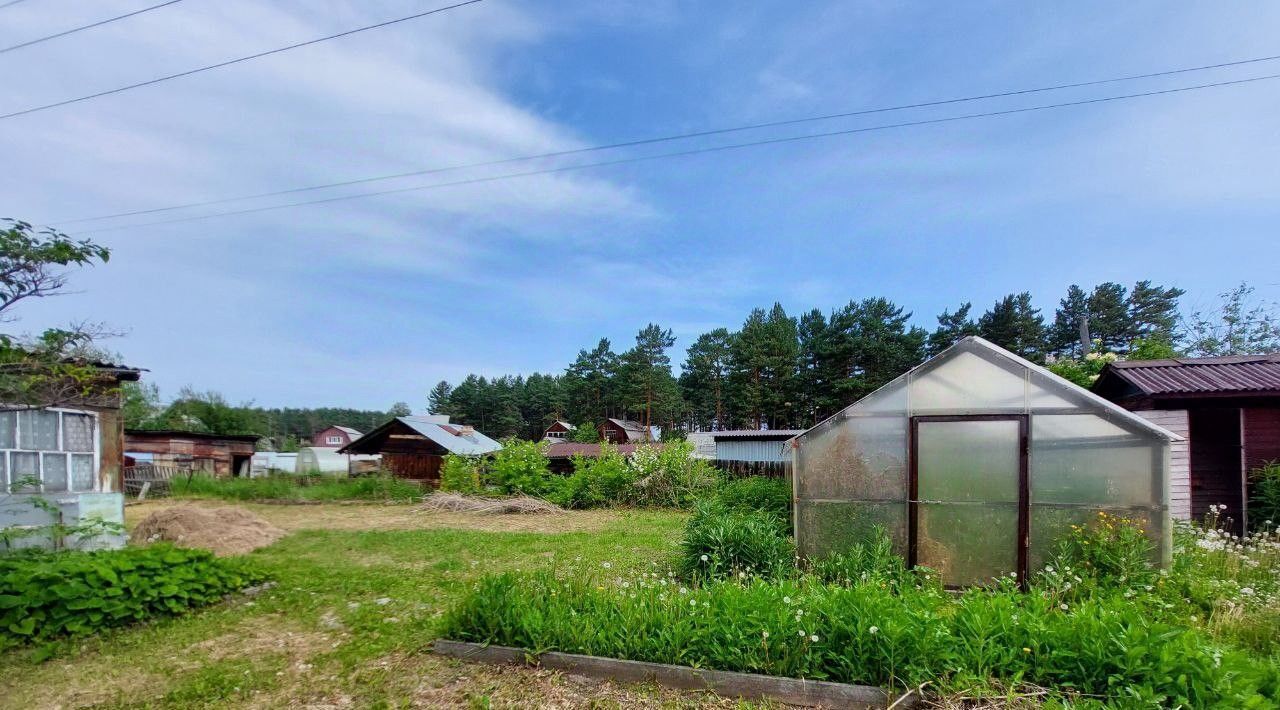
(137, 477)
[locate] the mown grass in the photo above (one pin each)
(350, 620)
(316, 488)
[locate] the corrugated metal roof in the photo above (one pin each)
(1225, 375)
(628, 424)
(764, 434)
(451, 436)
(353, 433)
(566, 449)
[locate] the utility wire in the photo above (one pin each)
(237, 60)
(11, 3)
(695, 151)
(99, 23)
(665, 139)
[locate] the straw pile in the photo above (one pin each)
(225, 531)
(457, 503)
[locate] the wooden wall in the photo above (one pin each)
(1178, 422)
(1261, 436)
(420, 467)
(1217, 477)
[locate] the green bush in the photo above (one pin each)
(872, 561)
(44, 596)
(671, 477)
(767, 495)
(1105, 645)
(316, 487)
(1108, 552)
(1264, 497)
(719, 542)
(520, 468)
(597, 482)
(461, 474)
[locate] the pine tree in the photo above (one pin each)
(648, 386)
(810, 381)
(438, 398)
(1064, 334)
(951, 328)
(1153, 313)
(589, 384)
(867, 344)
(1109, 317)
(1013, 324)
(704, 377)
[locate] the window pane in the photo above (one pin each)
(82, 472)
(965, 383)
(966, 543)
(4, 472)
(859, 458)
(38, 429)
(55, 472)
(77, 432)
(8, 430)
(829, 528)
(968, 461)
(1086, 459)
(26, 470)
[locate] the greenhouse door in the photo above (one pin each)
(969, 495)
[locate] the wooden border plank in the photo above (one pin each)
(794, 691)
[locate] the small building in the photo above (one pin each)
(704, 444)
(754, 452)
(1228, 410)
(327, 459)
(335, 437)
(976, 463)
(560, 455)
(559, 430)
(626, 431)
(269, 463)
(220, 455)
(69, 456)
(415, 447)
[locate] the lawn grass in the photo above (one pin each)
(350, 622)
(318, 487)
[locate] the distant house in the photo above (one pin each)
(626, 431)
(335, 437)
(220, 455)
(1226, 408)
(70, 456)
(415, 447)
(560, 455)
(559, 430)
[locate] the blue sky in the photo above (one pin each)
(367, 302)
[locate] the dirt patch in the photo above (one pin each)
(225, 531)
(379, 516)
(519, 505)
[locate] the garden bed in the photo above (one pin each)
(748, 686)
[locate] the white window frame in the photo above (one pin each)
(6, 481)
(332, 439)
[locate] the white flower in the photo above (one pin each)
(693, 602)
(705, 558)
(786, 600)
(813, 638)
(764, 634)
(1063, 607)
(1246, 591)
(682, 590)
(606, 565)
(873, 630)
(801, 633)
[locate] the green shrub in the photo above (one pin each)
(719, 542)
(767, 495)
(317, 487)
(596, 482)
(460, 474)
(1108, 552)
(520, 468)
(671, 477)
(1264, 497)
(871, 561)
(43, 596)
(868, 633)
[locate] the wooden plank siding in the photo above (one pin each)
(1217, 475)
(1178, 422)
(1261, 436)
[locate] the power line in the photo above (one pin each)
(694, 151)
(11, 3)
(99, 23)
(238, 60)
(664, 139)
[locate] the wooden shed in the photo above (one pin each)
(1226, 408)
(221, 455)
(626, 431)
(415, 447)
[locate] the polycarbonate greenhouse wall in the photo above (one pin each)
(976, 463)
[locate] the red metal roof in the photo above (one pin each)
(1216, 375)
(569, 448)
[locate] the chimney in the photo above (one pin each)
(438, 418)
(467, 431)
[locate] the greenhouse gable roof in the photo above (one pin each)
(991, 350)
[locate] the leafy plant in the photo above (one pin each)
(767, 495)
(1108, 552)
(607, 479)
(520, 468)
(720, 542)
(670, 476)
(47, 595)
(872, 561)
(461, 474)
(1264, 497)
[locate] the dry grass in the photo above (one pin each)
(458, 503)
(224, 530)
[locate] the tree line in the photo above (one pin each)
(783, 371)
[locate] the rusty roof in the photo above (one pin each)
(1235, 374)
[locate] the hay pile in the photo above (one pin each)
(225, 531)
(457, 503)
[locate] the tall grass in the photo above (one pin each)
(316, 487)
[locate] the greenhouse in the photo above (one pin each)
(975, 463)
